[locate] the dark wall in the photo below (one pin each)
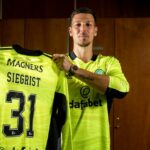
(62, 8)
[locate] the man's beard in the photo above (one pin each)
(84, 44)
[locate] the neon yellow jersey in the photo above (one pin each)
(88, 108)
(29, 80)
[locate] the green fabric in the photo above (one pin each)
(89, 113)
(27, 87)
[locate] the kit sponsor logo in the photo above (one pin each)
(86, 101)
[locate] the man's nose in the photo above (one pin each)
(83, 28)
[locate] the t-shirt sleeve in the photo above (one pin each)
(117, 79)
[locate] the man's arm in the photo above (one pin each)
(113, 80)
(99, 82)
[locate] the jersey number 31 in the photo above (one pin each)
(13, 95)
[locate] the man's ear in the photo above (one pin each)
(70, 31)
(96, 30)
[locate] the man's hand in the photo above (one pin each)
(62, 62)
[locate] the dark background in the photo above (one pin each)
(63, 8)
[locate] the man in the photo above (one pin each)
(33, 101)
(93, 82)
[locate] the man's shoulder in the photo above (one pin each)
(106, 57)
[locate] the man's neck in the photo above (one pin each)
(83, 53)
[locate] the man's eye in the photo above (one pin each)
(88, 24)
(78, 25)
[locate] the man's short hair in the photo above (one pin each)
(85, 10)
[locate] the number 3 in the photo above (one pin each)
(13, 95)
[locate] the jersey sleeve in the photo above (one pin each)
(66, 140)
(118, 84)
(60, 130)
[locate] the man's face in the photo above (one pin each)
(83, 29)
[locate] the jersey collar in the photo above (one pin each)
(73, 56)
(24, 51)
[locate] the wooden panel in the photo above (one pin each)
(105, 37)
(12, 31)
(49, 35)
(37, 8)
(133, 50)
(63, 8)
